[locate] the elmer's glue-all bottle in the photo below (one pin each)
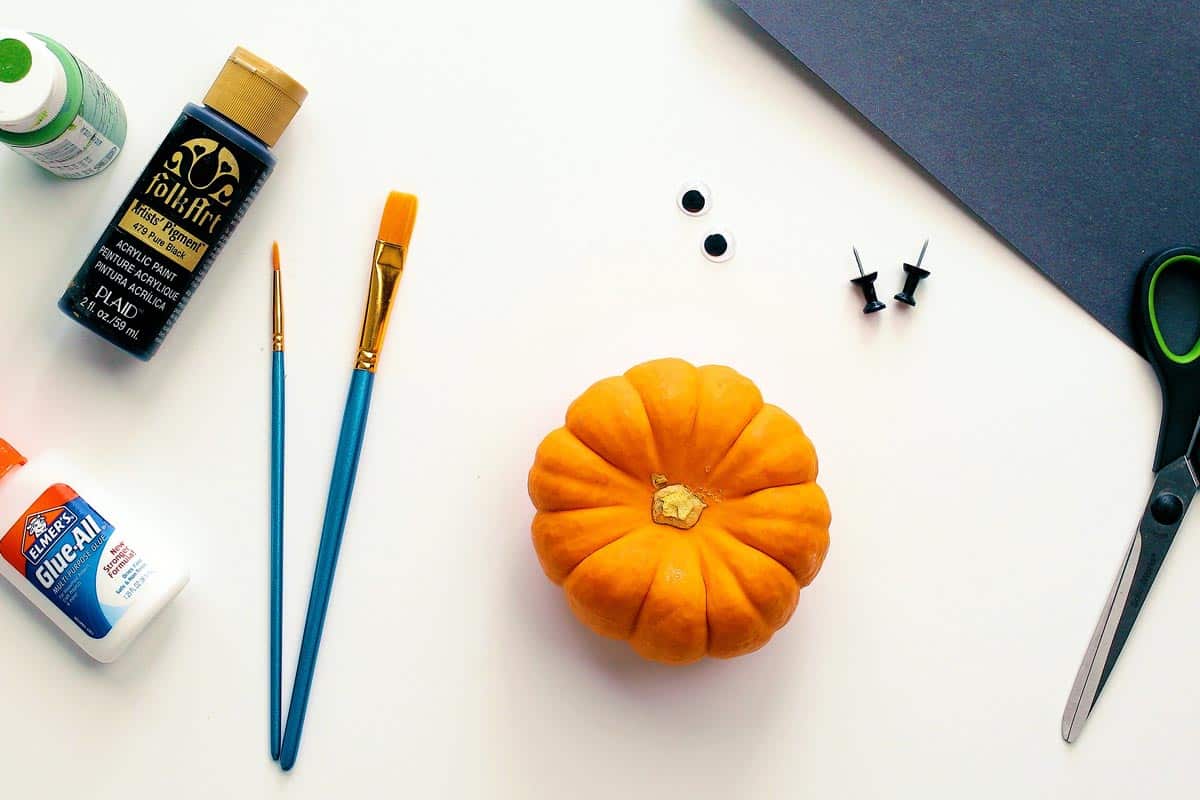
(166, 233)
(66, 547)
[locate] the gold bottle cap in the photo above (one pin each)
(256, 94)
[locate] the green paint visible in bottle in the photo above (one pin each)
(54, 110)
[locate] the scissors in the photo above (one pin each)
(1176, 464)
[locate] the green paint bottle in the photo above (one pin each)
(54, 110)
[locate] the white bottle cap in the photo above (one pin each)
(33, 83)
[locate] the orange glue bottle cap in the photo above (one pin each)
(10, 459)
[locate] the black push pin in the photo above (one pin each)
(866, 285)
(914, 275)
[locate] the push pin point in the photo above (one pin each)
(866, 285)
(913, 275)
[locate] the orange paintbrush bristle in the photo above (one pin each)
(399, 216)
(275, 256)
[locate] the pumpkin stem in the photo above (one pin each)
(674, 504)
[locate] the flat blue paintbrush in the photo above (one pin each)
(395, 230)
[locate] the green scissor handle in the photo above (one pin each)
(1178, 373)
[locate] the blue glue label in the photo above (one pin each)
(71, 553)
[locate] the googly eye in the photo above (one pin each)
(718, 245)
(694, 199)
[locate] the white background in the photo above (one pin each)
(986, 455)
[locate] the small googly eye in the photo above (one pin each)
(718, 245)
(694, 199)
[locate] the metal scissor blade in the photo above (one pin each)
(1101, 654)
(1174, 488)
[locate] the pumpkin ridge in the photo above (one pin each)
(717, 462)
(703, 548)
(613, 418)
(696, 410)
(556, 475)
(603, 610)
(563, 539)
(619, 470)
(654, 433)
(710, 468)
(741, 584)
(704, 582)
(649, 424)
(771, 450)
(642, 605)
(747, 496)
(735, 538)
(744, 495)
(618, 538)
(566, 472)
(580, 482)
(588, 508)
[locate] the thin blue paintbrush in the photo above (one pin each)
(395, 230)
(277, 428)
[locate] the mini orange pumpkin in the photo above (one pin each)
(679, 512)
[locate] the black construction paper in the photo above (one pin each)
(1071, 128)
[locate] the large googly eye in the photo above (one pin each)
(694, 199)
(718, 245)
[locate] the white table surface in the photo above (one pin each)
(986, 455)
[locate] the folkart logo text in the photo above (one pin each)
(198, 182)
(43, 530)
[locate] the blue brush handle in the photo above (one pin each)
(341, 487)
(277, 462)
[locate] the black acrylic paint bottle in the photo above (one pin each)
(166, 233)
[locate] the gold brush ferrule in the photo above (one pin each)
(387, 269)
(277, 322)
